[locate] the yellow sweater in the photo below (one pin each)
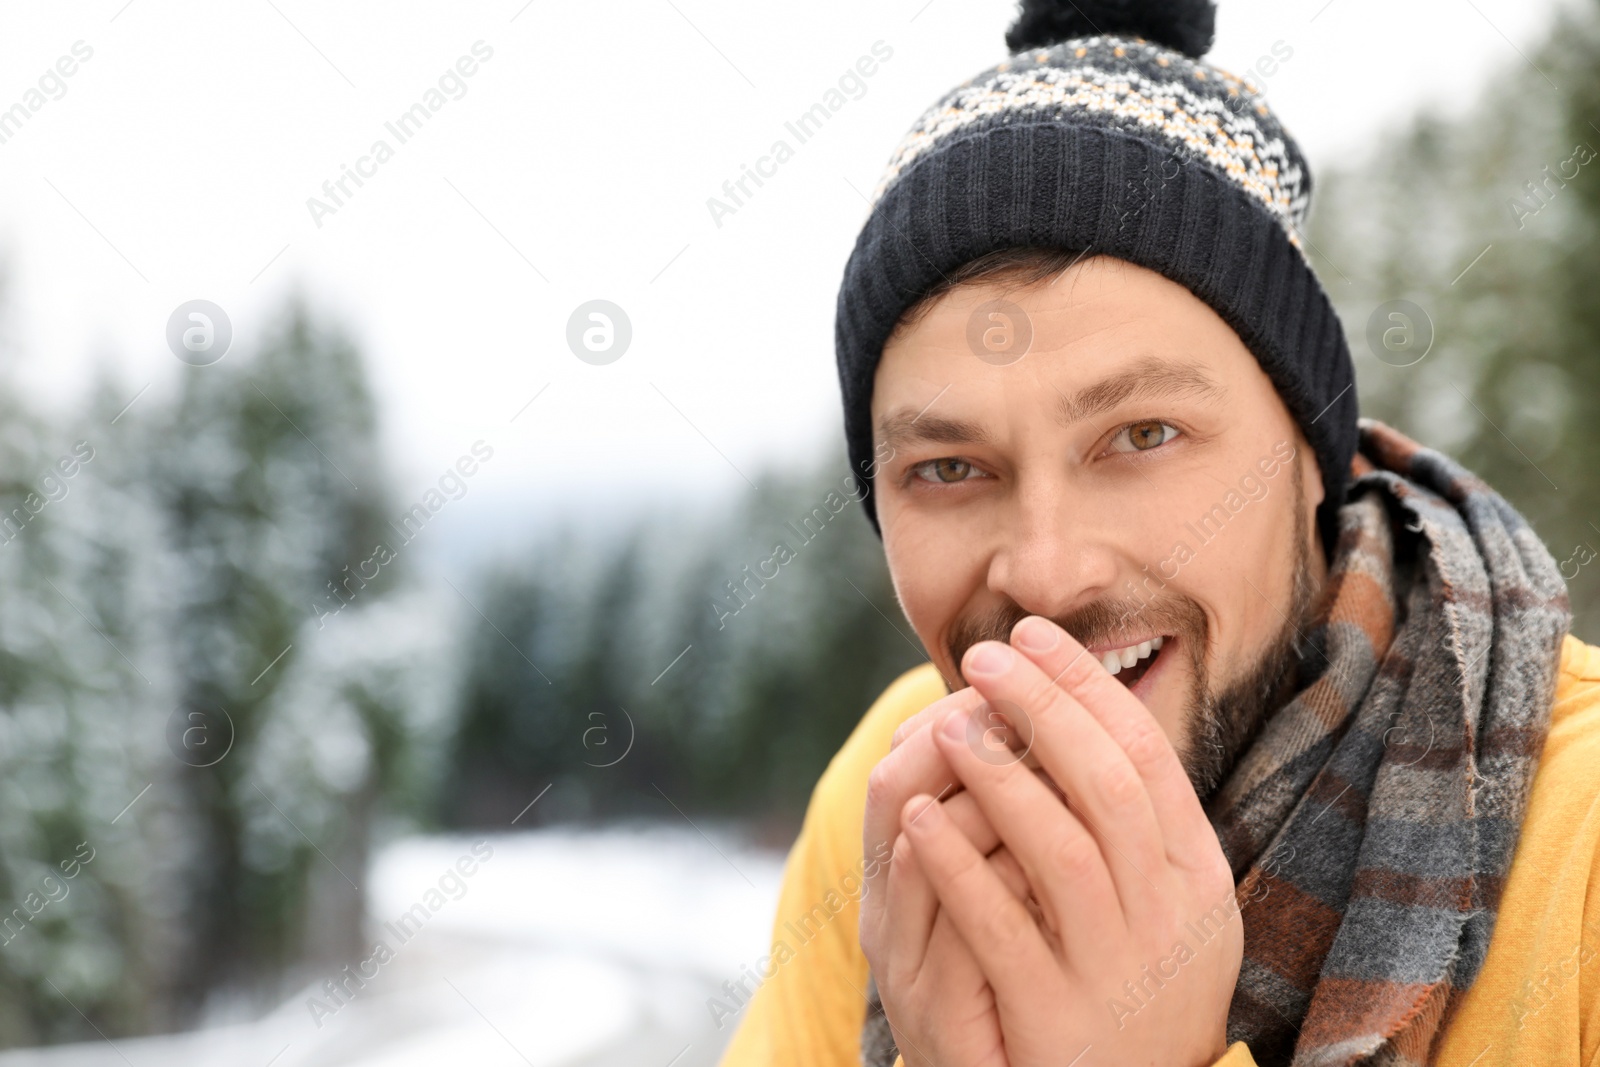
(1536, 1000)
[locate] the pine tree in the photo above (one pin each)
(87, 857)
(271, 485)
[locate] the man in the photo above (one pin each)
(1251, 734)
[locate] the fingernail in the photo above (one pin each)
(990, 657)
(917, 811)
(1037, 635)
(955, 725)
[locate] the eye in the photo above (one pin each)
(1143, 436)
(947, 469)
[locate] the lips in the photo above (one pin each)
(1129, 663)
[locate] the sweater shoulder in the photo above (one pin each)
(842, 789)
(1575, 711)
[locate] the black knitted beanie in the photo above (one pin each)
(1104, 132)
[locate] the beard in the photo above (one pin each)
(1222, 718)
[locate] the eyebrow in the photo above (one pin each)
(1149, 378)
(903, 428)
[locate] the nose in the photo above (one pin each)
(1053, 556)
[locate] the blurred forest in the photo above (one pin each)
(195, 761)
(1511, 383)
(779, 658)
(186, 766)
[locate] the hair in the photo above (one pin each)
(1018, 265)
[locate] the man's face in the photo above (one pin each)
(1134, 476)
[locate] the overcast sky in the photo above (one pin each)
(573, 164)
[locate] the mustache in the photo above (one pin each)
(1098, 622)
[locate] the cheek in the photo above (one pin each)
(1246, 579)
(934, 578)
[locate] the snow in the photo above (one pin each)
(562, 947)
(656, 898)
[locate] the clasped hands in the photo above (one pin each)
(1081, 913)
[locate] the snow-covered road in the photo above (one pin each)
(542, 949)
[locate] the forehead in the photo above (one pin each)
(1097, 333)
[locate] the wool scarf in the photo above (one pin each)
(1371, 822)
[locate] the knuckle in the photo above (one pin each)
(1073, 857)
(1210, 883)
(909, 728)
(881, 784)
(1005, 925)
(1219, 876)
(890, 974)
(867, 932)
(900, 734)
(1011, 872)
(965, 878)
(963, 873)
(1119, 784)
(1079, 671)
(1041, 695)
(1145, 745)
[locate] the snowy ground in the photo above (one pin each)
(560, 950)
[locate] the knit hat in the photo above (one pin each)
(1103, 132)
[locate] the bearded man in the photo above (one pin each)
(1252, 731)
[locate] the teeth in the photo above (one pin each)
(1118, 658)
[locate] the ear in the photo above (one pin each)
(1310, 473)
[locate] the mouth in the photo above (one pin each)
(1132, 664)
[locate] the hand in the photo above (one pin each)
(916, 765)
(940, 1007)
(898, 901)
(936, 1000)
(1134, 950)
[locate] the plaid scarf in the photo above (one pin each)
(1371, 823)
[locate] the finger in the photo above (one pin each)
(925, 951)
(1063, 861)
(908, 920)
(1011, 873)
(1103, 788)
(971, 821)
(1128, 722)
(915, 766)
(953, 994)
(921, 720)
(1003, 937)
(1016, 880)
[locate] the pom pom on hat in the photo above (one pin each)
(1186, 26)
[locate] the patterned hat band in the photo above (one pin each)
(1205, 114)
(1115, 146)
